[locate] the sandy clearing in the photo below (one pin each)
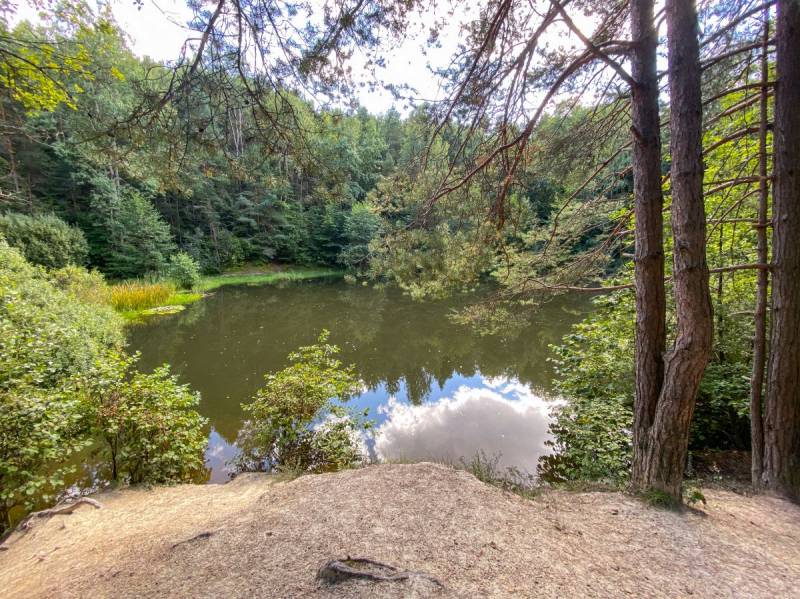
(267, 539)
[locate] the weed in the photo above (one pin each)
(138, 295)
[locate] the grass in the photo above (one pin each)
(133, 296)
(136, 299)
(265, 278)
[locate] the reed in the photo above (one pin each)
(140, 295)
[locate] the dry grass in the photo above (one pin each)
(139, 295)
(258, 538)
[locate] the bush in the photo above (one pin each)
(592, 428)
(184, 271)
(39, 431)
(88, 287)
(45, 240)
(151, 432)
(48, 336)
(139, 295)
(295, 424)
(65, 382)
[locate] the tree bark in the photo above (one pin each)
(649, 229)
(667, 443)
(782, 415)
(762, 284)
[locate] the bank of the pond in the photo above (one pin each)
(260, 537)
(178, 300)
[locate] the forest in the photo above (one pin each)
(642, 155)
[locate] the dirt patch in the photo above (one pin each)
(255, 537)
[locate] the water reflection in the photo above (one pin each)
(501, 417)
(408, 351)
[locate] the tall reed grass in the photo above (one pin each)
(140, 295)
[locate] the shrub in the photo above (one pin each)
(85, 286)
(39, 431)
(45, 240)
(295, 424)
(151, 432)
(184, 271)
(139, 295)
(47, 334)
(592, 428)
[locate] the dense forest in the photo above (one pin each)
(651, 162)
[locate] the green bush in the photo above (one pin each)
(45, 240)
(295, 423)
(39, 431)
(64, 383)
(88, 287)
(150, 430)
(592, 427)
(184, 271)
(48, 335)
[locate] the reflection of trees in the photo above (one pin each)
(224, 344)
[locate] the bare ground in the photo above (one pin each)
(258, 538)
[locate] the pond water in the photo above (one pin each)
(435, 389)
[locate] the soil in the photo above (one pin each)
(258, 537)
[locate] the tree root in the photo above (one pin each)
(340, 570)
(65, 508)
(202, 535)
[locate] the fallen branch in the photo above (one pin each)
(340, 570)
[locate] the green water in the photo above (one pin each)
(436, 389)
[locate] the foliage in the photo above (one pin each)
(296, 420)
(45, 239)
(139, 295)
(88, 287)
(152, 433)
(47, 334)
(133, 239)
(39, 431)
(33, 71)
(592, 427)
(183, 270)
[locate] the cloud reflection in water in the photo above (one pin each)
(502, 418)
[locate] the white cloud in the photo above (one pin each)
(511, 421)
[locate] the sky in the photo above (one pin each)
(158, 29)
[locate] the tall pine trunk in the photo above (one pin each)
(782, 409)
(666, 445)
(762, 285)
(649, 230)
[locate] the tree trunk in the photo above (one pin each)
(667, 443)
(649, 228)
(762, 285)
(782, 414)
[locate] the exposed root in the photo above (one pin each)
(202, 535)
(66, 508)
(340, 570)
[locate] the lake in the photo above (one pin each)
(435, 389)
